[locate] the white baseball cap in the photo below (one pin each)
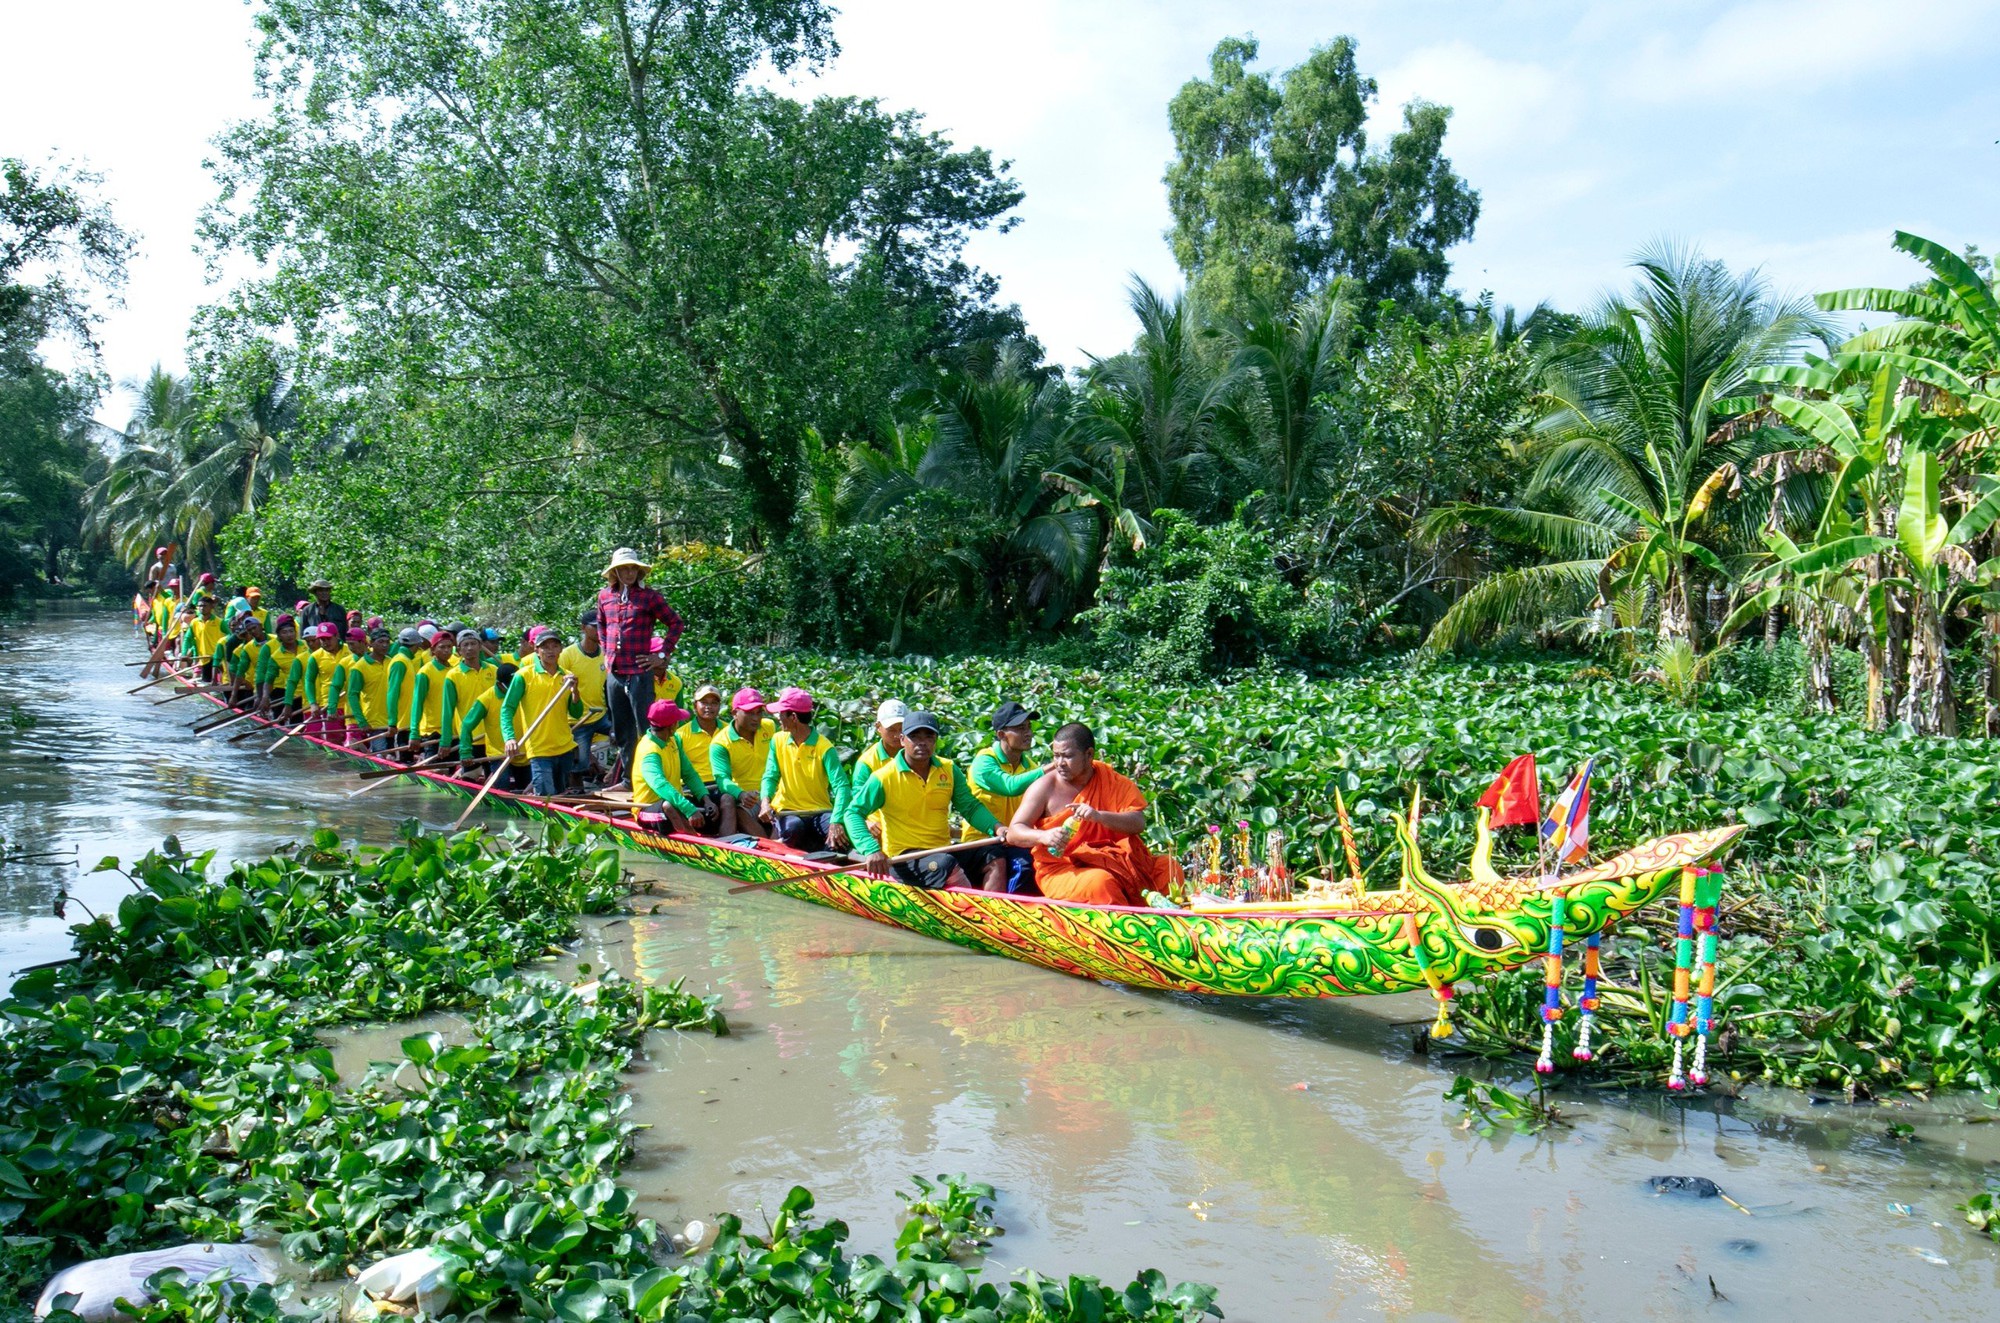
(891, 713)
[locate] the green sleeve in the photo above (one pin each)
(354, 699)
(575, 706)
(654, 770)
(770, 786)
(415, 716)
(690, 778)
(517, 689)
(310, 678)
(718, 766)
(448, 707)
(967, 807)
(475, 717)
(864, 797)
(267, 669)
(837, 780)
(988, 775)
(393, 707)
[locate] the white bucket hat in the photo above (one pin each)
(625, 556)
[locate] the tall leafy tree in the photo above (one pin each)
(567, 235)
(1274, 191)
(61, 254)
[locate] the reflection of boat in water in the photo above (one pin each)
(1366, 942)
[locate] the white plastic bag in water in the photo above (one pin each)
(425, 1277)
(98, 1283)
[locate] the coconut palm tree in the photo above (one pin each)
(997, 438)
(133, 505)
(1276, 434)
(1628, 452)
(1153, 408)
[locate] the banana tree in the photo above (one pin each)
(1941, 572)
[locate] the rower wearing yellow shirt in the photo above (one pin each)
(736, 757)
(202, 635)
(888, 743)
(470, 677)
(278, 666)
(805, 782)
(368, 695)
(479, 734)
(584, 659)
(915, 794)
(536, 688)
(424, 718)
(667, 791)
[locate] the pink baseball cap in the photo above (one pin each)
(794, 699)
(665, 712)
(745, 700)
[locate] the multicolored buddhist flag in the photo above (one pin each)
(1566, 831)
(1515, 797)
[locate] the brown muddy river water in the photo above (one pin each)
(1296, 1154)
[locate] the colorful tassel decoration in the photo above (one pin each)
(1552, 977)
(1708, 899)
(1677, 1021)
(1586, 1005)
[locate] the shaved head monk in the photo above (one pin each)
(1104, 860)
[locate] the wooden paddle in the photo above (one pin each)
(206, 730)
(189, 693)
(562, 693)
(903, 858)
(287, 736)
(379, 776)
(158, 679)
(264, 729)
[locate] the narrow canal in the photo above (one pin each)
(1297, 1155)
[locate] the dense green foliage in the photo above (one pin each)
(1871, 950)
(61, 253)
(169, 1083)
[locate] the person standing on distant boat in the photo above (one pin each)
(628, 613)
(322, 609)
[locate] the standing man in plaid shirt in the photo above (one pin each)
(627, 614)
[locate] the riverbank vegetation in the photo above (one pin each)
(170, 1083)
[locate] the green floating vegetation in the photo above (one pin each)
(1861, 918)
(169, 1084)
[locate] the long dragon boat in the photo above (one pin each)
(1419, 935)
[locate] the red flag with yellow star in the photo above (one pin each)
(1515, 797)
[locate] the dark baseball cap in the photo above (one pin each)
(917, 721)
(1009, 715)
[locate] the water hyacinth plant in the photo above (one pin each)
(169, 1084)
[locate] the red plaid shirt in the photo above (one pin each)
(626, 622)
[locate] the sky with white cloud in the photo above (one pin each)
(1794, 135)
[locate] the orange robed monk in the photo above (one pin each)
(1104, 861)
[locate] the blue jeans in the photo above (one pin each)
(546, 775)
(805, 831)
(586, 738)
